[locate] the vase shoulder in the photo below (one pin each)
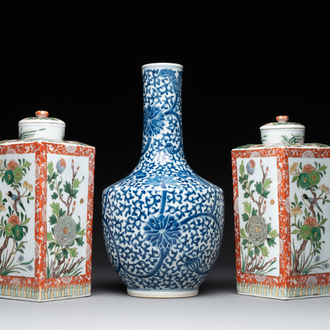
(184, 179)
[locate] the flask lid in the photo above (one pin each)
(282, 131)
(41, 126)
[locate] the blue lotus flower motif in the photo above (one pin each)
(162, 181)
(163, 231)
(154, 120)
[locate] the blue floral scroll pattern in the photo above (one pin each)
(163, 231)
(163, 224)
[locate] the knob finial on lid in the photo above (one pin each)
(282, 118)
(42, 113)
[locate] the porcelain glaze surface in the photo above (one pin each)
(282, 207)
(283, 132)
(41, 126)
(46, 215)
(163, 223)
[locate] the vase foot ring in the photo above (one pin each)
(145, 293)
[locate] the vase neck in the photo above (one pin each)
(162, 124)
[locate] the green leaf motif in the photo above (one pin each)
(246, 195)
(264, 251)
(78, 227)
(241, 169)
(76, 183)
(247, 207)
(269, 228)
(50, 168)
(243, 234)
(80, 241)
(271, 242)
(265, 193)
(69, 190)
(267, 183)
(52, 219)
(73, 252)
(61, 213)
(65, 253)
(67, 187)
(322, 168)
(26, 164)
(295, 178)
(254, 212)
(26, 221)
(258, 186)
(55, 208)
(49, 236)
(82, 233)
(54, 195)
(27, 263)
(323, 221)
(245, 217)
(51, 245)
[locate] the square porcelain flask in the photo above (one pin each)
(46, 213)
(282, 214)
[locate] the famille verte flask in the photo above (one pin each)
(163, 223)
(46, 213)
(282, 212)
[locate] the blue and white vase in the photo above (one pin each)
(163, 224)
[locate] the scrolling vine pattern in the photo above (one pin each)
(163, 223)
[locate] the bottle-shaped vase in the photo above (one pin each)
(163, 224)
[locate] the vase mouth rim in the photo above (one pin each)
(162, 65)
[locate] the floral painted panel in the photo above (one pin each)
(67, 191)
(309, 212)
(258, 211)
(17, 203)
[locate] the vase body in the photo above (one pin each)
(162, 223)
(46, 213)
(282, 207)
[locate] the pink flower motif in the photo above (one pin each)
(90, 178)
(88, 251)
(66, 279)
(15, 281)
